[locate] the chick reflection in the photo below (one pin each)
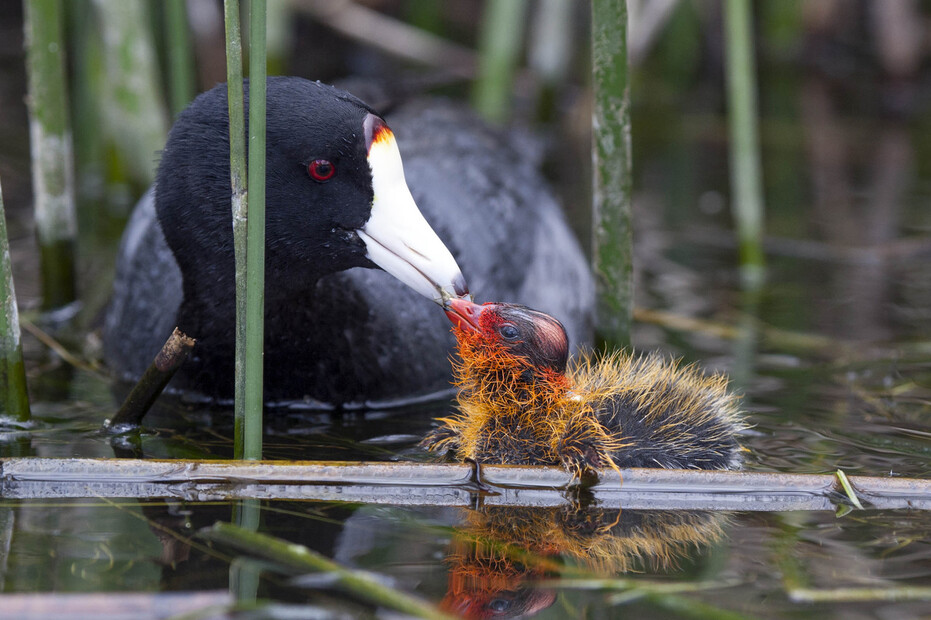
(498, 553)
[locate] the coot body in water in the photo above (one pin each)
(338, 332)
(520, 402)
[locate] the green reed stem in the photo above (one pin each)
(746, 173)
(180, 55)
(134, 113)
(245, 573)
(255, 244)
(499, 51)
(52, 158)
(301, 558)
(14, 399)
(234, 94)
(612, 240)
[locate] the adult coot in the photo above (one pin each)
(520, 405)
(337, 334)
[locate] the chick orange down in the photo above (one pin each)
(520, 402)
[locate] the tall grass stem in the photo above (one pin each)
(180, 55)
(234, 95)
(51, 151)
(255, 245)
(746, 170)
(14, 399)
(612, 254)
(134, 114)
(499, 45)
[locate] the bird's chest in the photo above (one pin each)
(513, 441)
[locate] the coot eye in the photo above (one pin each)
(321, 170)
(509, 332)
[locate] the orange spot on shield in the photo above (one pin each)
(376, 132)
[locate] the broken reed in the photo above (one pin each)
(51, 151)
(248, 223)
(14, 399)
(612, 240)
(746, 174)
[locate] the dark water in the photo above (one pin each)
(856, 405)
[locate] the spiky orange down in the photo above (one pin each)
(620, 411)
(513, 413)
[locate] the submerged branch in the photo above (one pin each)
(445, 484)
(301, 558)
(153, 381)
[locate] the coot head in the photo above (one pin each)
(336, 198)
(518, 331)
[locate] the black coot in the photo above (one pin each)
(336, 199)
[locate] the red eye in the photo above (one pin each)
(321, 170)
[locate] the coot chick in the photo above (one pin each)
(334, 334)
(521, 403)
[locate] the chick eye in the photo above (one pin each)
(509, 332)
(321, 170)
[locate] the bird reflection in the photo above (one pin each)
(498, 554)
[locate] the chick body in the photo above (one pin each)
(520, 403)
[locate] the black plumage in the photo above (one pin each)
(334, 333)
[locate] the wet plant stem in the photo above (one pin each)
(746, 172)
(134, 114)
(499, 51)
(153, 381)
(301, 558)
(180, 55)
(255, 242)
(51, 150)
(612, 254)
(245, 575)
(234, 94)
(14, 399)
(860, 595)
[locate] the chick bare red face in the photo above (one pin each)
(464, 314)
(524, 332)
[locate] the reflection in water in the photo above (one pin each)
(498, 553)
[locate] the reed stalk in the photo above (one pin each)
(551, 53)
(279, 36)
(245, 573)
(746, 172)
(300, 558)
(612, 254)
(134, 113)
(499, 46)
(180, 55)
(14, 399)
(51, 148)
(234, 95)
(255, 244)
